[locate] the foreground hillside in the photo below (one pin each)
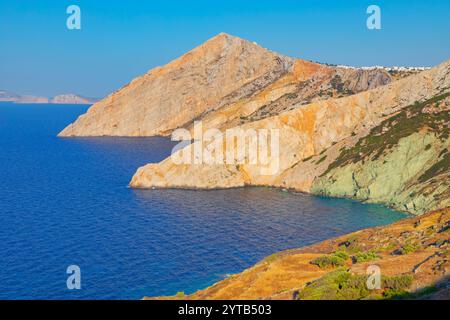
(413, 256)
(225, 82)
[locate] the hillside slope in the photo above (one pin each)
(412, 254)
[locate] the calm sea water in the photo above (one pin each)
(66, 201)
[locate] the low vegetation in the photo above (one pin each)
(341, 284)
(335, 259)
(365, 256)
(407, 249)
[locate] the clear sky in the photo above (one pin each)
(120, 40)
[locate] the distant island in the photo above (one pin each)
(69, 98)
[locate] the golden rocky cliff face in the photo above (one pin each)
(225, 82)
(305, 132)
(167, 97)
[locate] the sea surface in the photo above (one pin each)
(67, 202)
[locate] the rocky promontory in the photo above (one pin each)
(225, 82)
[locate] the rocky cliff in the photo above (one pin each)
(403, 162)
(226, 81)
(315, 137)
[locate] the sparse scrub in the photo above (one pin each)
(395, 287)
(336, 259)
(365, 256)
(336, 285)
(407, 249)
(343, 285)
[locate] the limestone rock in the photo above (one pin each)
(221, 71)
(225, 82)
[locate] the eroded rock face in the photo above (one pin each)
(404, 162)
(221, 71)
(225, 82)
(313, 137)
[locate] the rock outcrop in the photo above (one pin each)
(225, 82)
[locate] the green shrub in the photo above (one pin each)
(395, 287)
(397, 282)
(336, 259)
(365, 256)
(342, 285)
(337, 285)
(341, 254)
(408, 248)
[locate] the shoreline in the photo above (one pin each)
(280, 189)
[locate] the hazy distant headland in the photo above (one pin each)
(69, 98)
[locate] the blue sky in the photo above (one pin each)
(120, 40)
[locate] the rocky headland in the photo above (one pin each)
(387, 145)
(226, 81)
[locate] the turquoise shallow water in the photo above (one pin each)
(66, 201)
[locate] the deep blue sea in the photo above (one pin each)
(67, 201)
